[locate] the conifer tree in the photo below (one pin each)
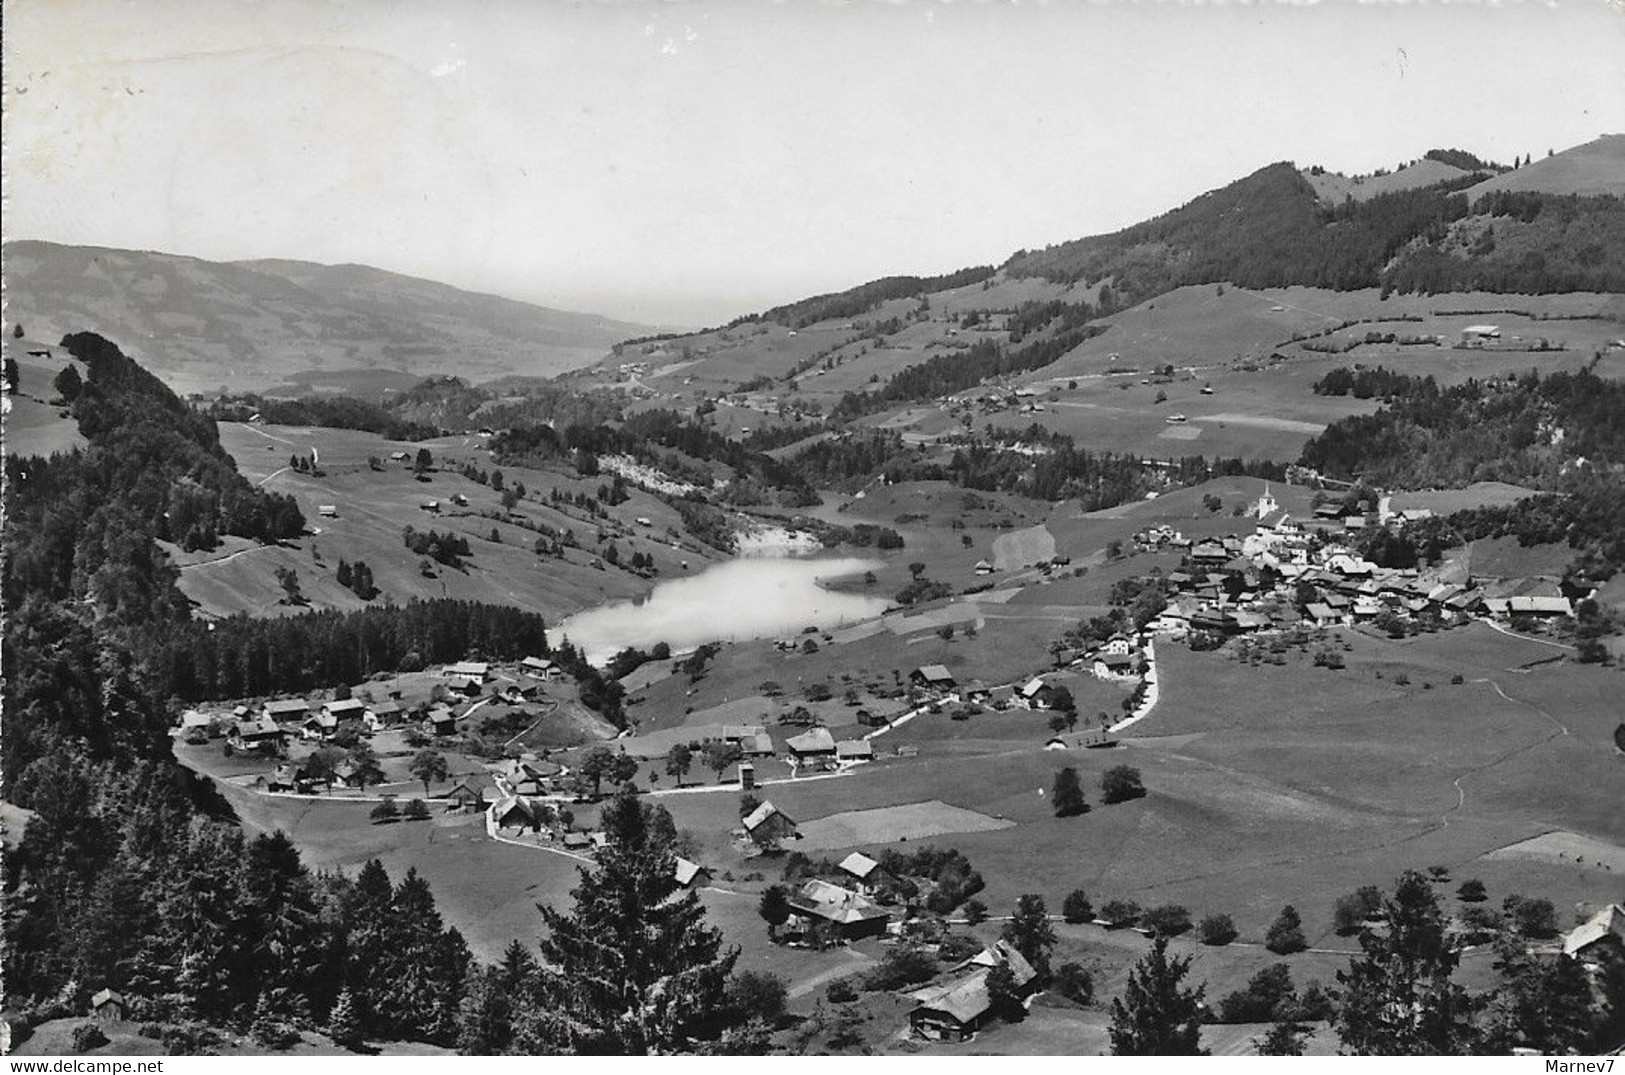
(1156, 1016)
(1030, 932)
(632, 968)
(1398, 997)
(344, 1024)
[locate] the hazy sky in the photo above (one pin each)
(683, 163)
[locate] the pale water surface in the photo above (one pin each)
(740, 599)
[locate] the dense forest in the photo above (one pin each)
(1366, 383)
(327, 412)
(1525, 430)
(1271, 230)
(1589, 519)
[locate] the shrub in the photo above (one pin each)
(1120, 913)
(1472, 891)
(1262, 1000)
(903, 965)
(1217, 929)
(1074, 983)
(840, 991)
(1121, 783)
(1076, 907)
(1168, 920)
(88, 1036)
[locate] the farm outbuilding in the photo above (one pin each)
(107, 1005)
(850, 915)
(932, 675)
(816, 743)
(767, 825)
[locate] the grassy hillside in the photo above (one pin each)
(202, 324)
(1594, 168)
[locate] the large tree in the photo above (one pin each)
(1030, 932)
(632, 968)
(1157, 1015)
(1398, 997)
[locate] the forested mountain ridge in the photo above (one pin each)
(1271, 229)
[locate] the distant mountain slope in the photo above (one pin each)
(202, 324)
(1334, 187)
(1594, 168)
(1273, 229)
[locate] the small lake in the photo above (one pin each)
(757, 597)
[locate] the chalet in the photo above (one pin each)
(1113, 666)
(865, 872)
(263, 735)
(287, 777)
(465, 685)
(1247, 620)
(465, 797)
(514, 812)
(691, 874)
(381, 715)
(816, 743)
(1001, 697)
(1118, 644)
(1211, 619)
(459, 499)
(984, 568)
(347, 773)
(344, 709)
(399, 457)
(1328, 511)
(767, 825)
(853, 750)
(1209, 552)
(319, 726)
(107, 1005)
(525, 777)
(523, 689)
(327, 511)
(759, 745)
(431, 506)
(577, 841)
(1035, 693)
(440, 721)
(287, 709)
(956, 1009)
(476, 670)
(1602, 934)
(738, 733)
(849, 915)
(1321, 614)
(1479, 335)
(195, 719)
(932, 676)
(541, 667)
(1539, 606)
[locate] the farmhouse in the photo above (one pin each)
(514, 813)
(192, 718)
(1539, 606)
(264, 735)
(476, 670)
(345, 709)
(1603, 933)
(767, 825)
(850, 750)
(1479, 335)
(467, 685)
(759, 745)
(327, 511)
(465, 797)
(935, 676)
(319, 726)
(865, 872)
(381, 715)
(849, 915)
(738, 733)
(542, 667)
(956, 1009)
(287, 709)
(691, 874)
(287, 777)
(525, 777)
(816, 743)
(440, 721)
(1114, 666)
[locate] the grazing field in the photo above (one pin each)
(1569, 846)
(1022, 548)
(1476, 495)
(31, 424)
(373, 506)
(1504, 557)
(893, 824)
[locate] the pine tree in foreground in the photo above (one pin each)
(1156, 1015)
(632, 968)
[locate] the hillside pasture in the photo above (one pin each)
(32, 424)
(892, 824)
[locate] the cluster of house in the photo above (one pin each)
(278, 721)
(1226, 590)
(936, 683)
